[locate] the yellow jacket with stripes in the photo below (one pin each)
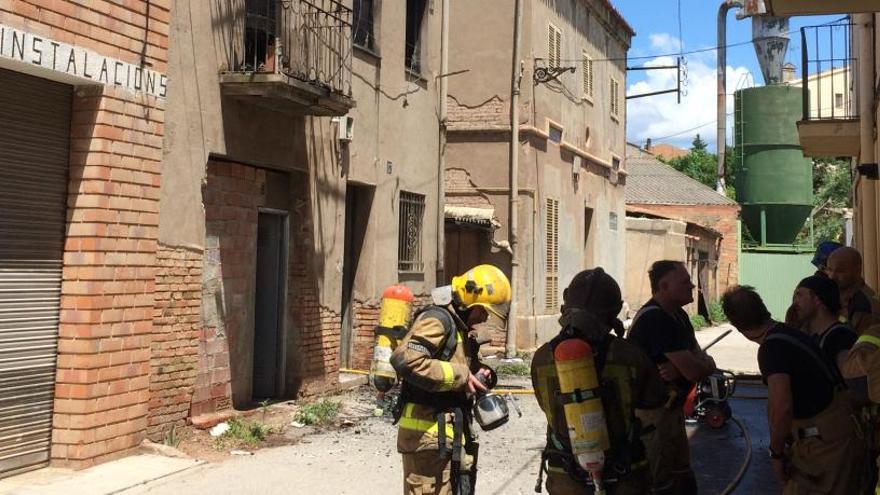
(413, 361)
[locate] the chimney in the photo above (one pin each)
(648, 145)
(789, 73)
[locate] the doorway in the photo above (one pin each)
(588, 239)
(358, 201)
(270, 295)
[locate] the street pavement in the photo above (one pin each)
(734, 352)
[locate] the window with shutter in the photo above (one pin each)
(554, 46)
(551, 295)
(588, 75)
(615, 98)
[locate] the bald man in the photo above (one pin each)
(860, 305)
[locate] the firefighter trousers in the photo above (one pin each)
(427, 473)
(669, 456)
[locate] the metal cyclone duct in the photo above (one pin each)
(770, 38)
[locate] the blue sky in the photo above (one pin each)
(657, 32)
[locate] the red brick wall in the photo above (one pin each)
(102, 381)
(177, 324)
(232, 195)
(721, 218)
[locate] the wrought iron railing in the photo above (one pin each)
(308, 40)
(409, 241)
(829, 72)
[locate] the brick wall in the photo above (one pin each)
(489, 114)
(721, 218)
(232, 195)
(177, 325)
(102, 380)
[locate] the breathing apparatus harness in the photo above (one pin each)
(627, 452)
(456, 404)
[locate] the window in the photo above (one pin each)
(588, 75)
(554, 46)
(838, 100)
(612, 221)
(259, 36)
(363, 24)
(615, 98)
(415, 13)
(554, 133)
(409, 240)
(551, 295)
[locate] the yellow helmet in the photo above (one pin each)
(486, 286)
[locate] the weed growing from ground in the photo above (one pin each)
(320, 413)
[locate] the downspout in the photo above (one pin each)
(441, 161)
(513, 217)
(721, 114)
(865, 188)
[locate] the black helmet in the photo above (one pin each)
(596, 292)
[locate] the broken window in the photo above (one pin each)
(415, 13)
(363, 24)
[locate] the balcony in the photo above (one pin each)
(830, 123)
(292, 55)
(815, 7)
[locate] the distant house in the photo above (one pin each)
(665, 151)
(672, 216)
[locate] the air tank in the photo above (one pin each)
(775, 181)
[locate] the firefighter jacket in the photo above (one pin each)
(864, 360)
(862, 309)
(432, 385)
(633, 395)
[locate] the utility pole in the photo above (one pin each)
(721, 114)
(441, 159)
(513, 216)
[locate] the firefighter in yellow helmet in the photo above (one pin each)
(438, 363)
(629, 386)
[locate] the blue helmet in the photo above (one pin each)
(823, 250)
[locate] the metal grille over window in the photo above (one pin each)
(615, 97)
(588, 75)
(554, 46)
(363, 24)
(551, 296)
(409, 243)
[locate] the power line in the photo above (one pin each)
(687, 130)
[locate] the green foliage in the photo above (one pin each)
(699, 164)
(833, 193)
(319, 413)
(172, 439)
(698, 321)
(250, 432)
(716, 312)
(513, 369)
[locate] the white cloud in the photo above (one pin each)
(657, 117)
(664, 42)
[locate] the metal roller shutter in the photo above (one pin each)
(34, 157)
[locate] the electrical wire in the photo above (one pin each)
(687, 130)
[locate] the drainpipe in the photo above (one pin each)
(441, 162)
(721, 115)
(865, 188)
(512, 217)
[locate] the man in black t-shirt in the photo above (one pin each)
(817, 303)
(664, 331)
(815, 444)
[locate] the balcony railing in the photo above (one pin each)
(829, 73)
(306, 40)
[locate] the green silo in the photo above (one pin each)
(775, 181)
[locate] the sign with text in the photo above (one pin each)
(78, 62)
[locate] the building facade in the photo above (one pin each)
(571, 149)
(301, 158)
(83, 96)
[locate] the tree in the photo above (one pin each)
(832, 194)
(698, 164)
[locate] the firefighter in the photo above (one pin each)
(817, 303)
(816, 444)
(632, 392)
(438, 364)
(860, 305)
(664, 331)
(863, 363)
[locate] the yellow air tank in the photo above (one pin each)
(394, 315)
(584, 415)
